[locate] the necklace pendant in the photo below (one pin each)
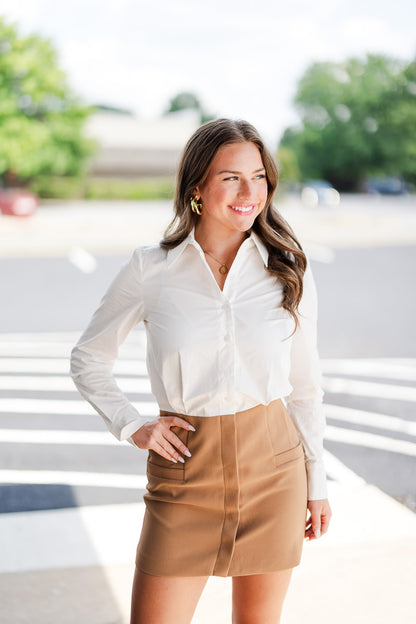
(223, 269)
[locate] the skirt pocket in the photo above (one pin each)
(293, 454)
(158, 466)
(284, 438)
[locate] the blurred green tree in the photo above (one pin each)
(40, 120)
(288, 165)
(187, 100)
(358, 119)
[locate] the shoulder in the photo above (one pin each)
(147, 258)
(149, 253)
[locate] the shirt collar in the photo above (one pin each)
(262, 249)
(174, 253)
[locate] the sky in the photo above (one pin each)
(242, 59)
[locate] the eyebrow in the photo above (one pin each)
(229, 171)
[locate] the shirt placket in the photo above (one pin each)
(227, 351)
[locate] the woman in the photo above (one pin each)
(229, 306)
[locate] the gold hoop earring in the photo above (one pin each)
(196, 206)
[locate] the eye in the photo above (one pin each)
(230, 178)
(261, 176)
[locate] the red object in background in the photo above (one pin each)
(17, 203)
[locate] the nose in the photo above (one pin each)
(245, 190)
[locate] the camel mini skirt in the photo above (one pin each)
(236, 507)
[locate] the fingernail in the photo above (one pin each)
(187, 453)
(317, 533)
(191, 428)
(174, 460)
(181, 459)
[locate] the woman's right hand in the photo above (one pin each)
(157, 436)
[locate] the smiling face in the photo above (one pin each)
(235, 190)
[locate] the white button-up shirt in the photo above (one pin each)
(209, 351)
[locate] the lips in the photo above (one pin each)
(245, 210)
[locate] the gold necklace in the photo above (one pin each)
(223, 268)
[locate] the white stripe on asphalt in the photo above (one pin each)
(50, 349)
(82, 259)
(58, 436)
(370, 440)
(68, 337)
(61, 366)
(65, 384)
(88, 479)
(372, 419)
(45, 406)
(404, 370)
(336, 385)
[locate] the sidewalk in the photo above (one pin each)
(62, 567)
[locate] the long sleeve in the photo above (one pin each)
(94, 356)
(304, 403)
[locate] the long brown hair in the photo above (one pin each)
(287, 260)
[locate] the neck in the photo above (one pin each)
(221, 242)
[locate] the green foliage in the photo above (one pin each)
(40, 120)
(186, 100)
(67, 187)
(358, 119)
(58, 187)
(287, 165)
(146, 188)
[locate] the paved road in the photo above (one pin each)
(367, 342)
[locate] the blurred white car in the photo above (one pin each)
(319, 193)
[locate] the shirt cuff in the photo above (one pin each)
(127, 431)
(317, 485)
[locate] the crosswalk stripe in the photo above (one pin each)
(61, 366)
(371, 440)
(53, 406)
(34, 349)
(372, 419)
(69, 336)
(89, 479)
(58, 436)
(65, 384)
(398, 369)
(337, 385)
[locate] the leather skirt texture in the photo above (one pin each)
(236, 507)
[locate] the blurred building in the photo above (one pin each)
(130, 147)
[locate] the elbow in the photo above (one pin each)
(75, 364)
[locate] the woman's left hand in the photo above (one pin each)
(318, 521)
